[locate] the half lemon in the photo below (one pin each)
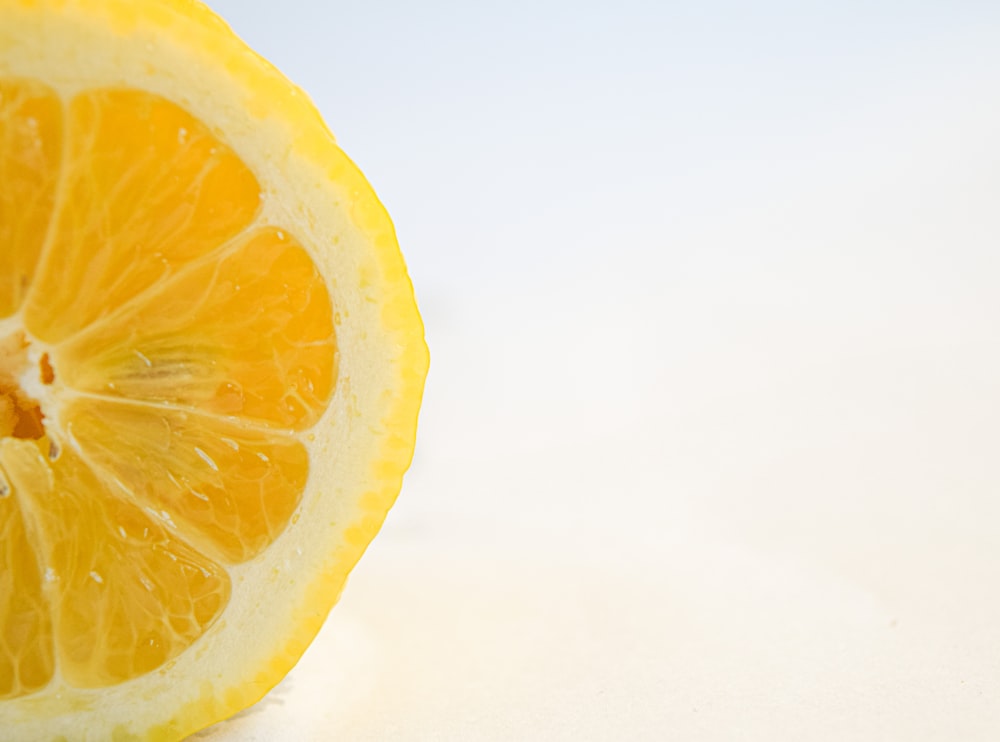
(211, 364)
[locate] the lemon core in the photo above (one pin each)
(20, 415)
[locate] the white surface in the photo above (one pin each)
(709, 445)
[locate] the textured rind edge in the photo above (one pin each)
(190, 24)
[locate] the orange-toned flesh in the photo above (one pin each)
(187, 344)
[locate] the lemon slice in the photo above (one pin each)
(211, 365)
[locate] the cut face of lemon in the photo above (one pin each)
(210, 370)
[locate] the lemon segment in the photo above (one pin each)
(30, 160)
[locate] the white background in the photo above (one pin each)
(709, 448)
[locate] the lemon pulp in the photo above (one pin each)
(164, 352)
